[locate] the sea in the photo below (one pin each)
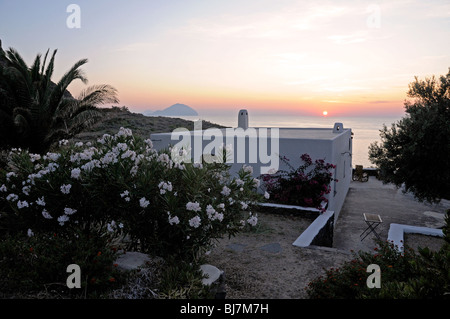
(366, 130)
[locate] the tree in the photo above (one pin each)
(415, 151)
(35, 112)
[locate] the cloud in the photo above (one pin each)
(380, 102)
(136, 47)
(356, 37)
(282, 22)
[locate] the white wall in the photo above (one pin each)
(335, 150)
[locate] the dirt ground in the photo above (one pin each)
(416, 241)
(264, 264)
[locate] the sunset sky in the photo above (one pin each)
(294, 57)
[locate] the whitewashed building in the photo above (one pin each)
(261, 148)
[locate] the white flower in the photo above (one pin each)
(30, 233)
(197, 165)
(124, 132)
(247, 169)
(75, 173)
(134, 170)
(225, 191)
(109, 158)
(195, 221)
(52, 156)
(210, 210)
(111, 226)
(63, 142)
(104, 138)
(174, 220)
(26, 190)
(239, 182)
(12, 197)
(193, 206)
(164, 158)
(218, 216)
(65, 189)
(163, 187)
(256, 182)
(129, 153)
(79, 144)
(22, 204)
(51, 167)
(9, 175)
(125, 194)
(69, 211)
(149, 143)
(221, 206)
(3, 188)
(40, 201)
(34, 157)
(90, 165)
(62, 219)
(46, 214)
(143, 202)
(253, 220)
(266, 195)
(244, 205)
(121, 146)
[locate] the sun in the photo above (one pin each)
(325, 113)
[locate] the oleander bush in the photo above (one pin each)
(304, 186)
(117, 193)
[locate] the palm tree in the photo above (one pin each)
(35, 112)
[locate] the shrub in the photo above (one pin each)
(304, 186)
(403, 275)
(31, 263)
(120, 187)
(349, 281)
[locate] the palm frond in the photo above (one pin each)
(45, 60)
(19, 69)
(34, 69)
(58, 92)
(98, 94)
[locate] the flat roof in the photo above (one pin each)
(285, 133)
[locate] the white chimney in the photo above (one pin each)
(243, 119)
(338, 128)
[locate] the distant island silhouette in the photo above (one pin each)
(174, 110)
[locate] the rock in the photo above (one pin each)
(132, 260)
(214, 278)
(211, 274)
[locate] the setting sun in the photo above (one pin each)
(325, 113)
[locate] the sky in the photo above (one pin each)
(286, 57)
